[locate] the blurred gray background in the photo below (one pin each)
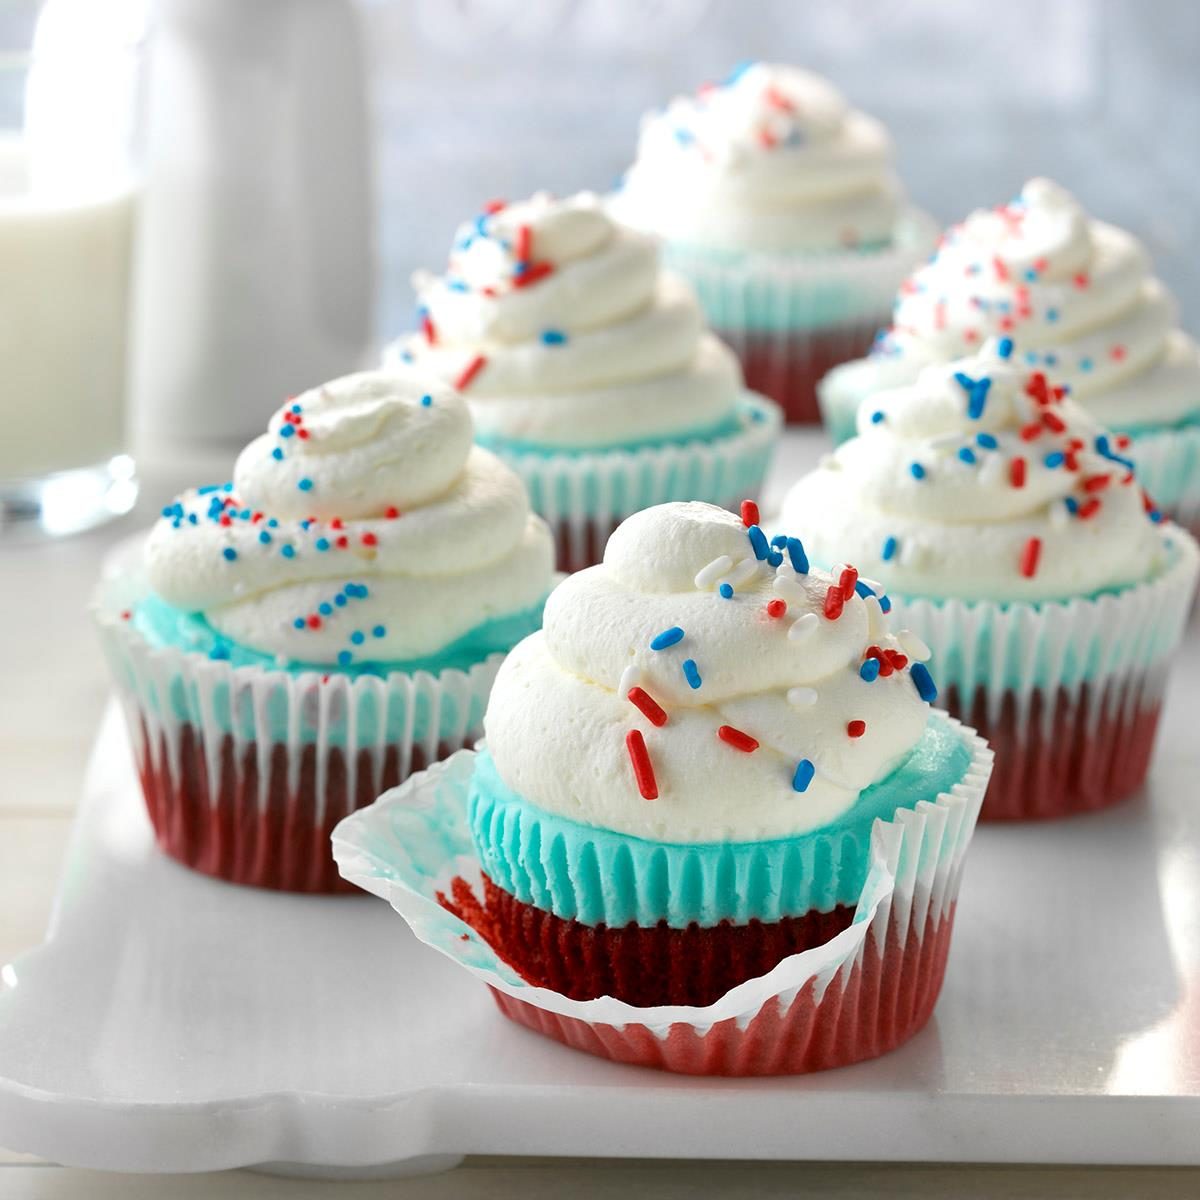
(483, 98)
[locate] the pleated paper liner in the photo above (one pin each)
(1067, 693)
(1168, 467)
(584, 497)
(245, 771)
(862, 992)
(791, 318)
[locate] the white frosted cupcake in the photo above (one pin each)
(305, 636)
(588, 370)
(1081, 301)
(1012, 536)
(779, 202)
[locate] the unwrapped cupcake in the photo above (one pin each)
(1014, 539)
(1080, 299)
(588, 369)
(780, 205)
(304, 637)
(715, 828)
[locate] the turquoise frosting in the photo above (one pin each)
(597, 876)
(708, 433)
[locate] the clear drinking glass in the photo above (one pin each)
(70, 106)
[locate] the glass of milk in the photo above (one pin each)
(70, 104)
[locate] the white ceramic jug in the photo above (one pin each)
(255, 274)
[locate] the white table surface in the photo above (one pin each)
(51, 700)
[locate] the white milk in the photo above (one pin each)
(64, 313)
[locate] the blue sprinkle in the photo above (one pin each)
(167, 511)
(426, 401)
(340, 600)
(272, 523)
(227, 487)
(264, 537)
(683, 136)
(774, 558)
(986, 440)
(1055, 458)
(918, 471)
(305, 485)
(325, 609)
(726, 590)
(322, 543)
(779, 541)
(288, 431)
(277, 454)
(1052, 314)
(668, 637)
(869, 670)
(758, 541)
(378, 631)
(862, 590)
(1051, 360)
(1031, 275)
(885, 604)
(457, 285)
(738, 71)
(553, 337)
(204, 491)
(297, 409)
(924, 682)
(193, 519)
(298, 623)
(219, 652)
(1030, 357)
(244, 514)
(977, 393)
(288, 551)
(691, 673)
(1004, 347)
(967, 455)
(358, 637)
(889, 549)
(1085, 364)
(799, 559)
(1072, 504)
(877, 416)
(803, 775)
(344, 658)
(230, 553)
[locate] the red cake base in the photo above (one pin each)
(641, 966)
(1071, 760)
(789, 369)
(282, 845)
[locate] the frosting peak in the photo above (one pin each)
(981, 480)
(766, 694)
(772, 158)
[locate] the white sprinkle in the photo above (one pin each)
(630, 678)
(742, 571)
(709, 575)
(913, 646)
(876, 625)
(944, 441)
(802, 697)
(789, 589)
(803, 627)
(992, 468)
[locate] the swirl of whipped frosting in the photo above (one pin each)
(730, 646)
(363, 526)
(772, 159)
(980, 481)
(1077, 294)
(561, 332)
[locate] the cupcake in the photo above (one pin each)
(734, 850)
(1013, 538)
(302, 638)
(588, 370)
(1079, 298)
(779, 204)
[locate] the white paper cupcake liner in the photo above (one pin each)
(858, 995)
(245, 770)
(584, 497)
(1066, 692)
(1168, 467)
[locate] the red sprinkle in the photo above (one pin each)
(643, 770)
(1029, 432)
(856, 728)
(1029, 557)
(1089, 508)
(1117, 353)
(524, 241)
(1081, 280)
(776, 608)
(749, 513)
(470, 371)
(1095, 483)
(737, 739)
(846, 582)
(1054, 422)
(897, 660)
(834, 602)
(1124, 441)
(342, 542)
(314, 622)
(336, 523)
(391, 512)
(225, 520)
(649, 707)
(1037, 387)
(126, 614)
(1016, 472)
(369, 539)
(536, 271)
(302, 434)
(494, 206)
(428, 329)
(999, 267)
(776, 99)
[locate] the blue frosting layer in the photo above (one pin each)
(597, 876)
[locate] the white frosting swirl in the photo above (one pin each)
(773, 159)
(1078, 296)
(559, 715)
(561, 332)
(370, 480)
(980, 481)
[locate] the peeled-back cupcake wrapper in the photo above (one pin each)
(246, 769)
(787, 294)
(584, 497)
(1168, 467)
(859, 994)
